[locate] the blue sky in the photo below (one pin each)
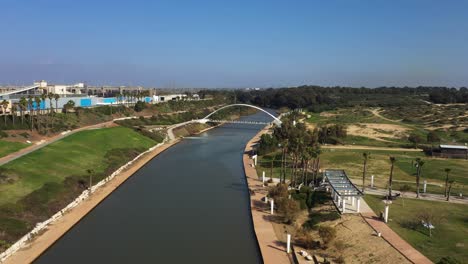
(202, 43)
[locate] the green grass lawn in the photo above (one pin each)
(7, 147)
(379, 166)
(450, 236)
(404, 172)
(70, 156)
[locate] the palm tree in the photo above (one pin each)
(419, 164)
(4, 104)
(390, 179)
(43, 99)
(56, 97)
(23, 104)
(447, 172)
(14, 109)
(50, 96)
(31, 109)
(37, 100)
(449, 189)
(90, 173)
(366, 156)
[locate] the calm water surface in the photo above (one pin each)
(190, 204)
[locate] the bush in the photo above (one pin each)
(139, 106)
(327, 234)
(3, 134)
(289, 209)
(278, 191)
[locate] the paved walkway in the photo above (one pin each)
(370, 148)
(394, 239)
(422, 196)
(273, 251)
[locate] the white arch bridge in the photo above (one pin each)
(207, 118)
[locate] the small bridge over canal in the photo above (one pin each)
(207, 118)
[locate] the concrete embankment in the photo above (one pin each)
(273, 251)
(34, 244)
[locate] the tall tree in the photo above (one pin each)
(5, 104)
(38, 100)
(14, 109)
(56, 97)
(419, 164)
(390, 179)
(31, 111)
(449, 189)
(23, 104)
(366, 156)
(447, 172)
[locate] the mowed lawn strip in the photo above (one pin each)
(7, 147)
(449, 237)
(72, 155)
(379, 166)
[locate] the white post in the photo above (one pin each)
(288, 244)
(425, 186)
(358, 204)
(255, 160)
(386, 213)
(372, 181)
(339, 201)
(344, 206)
(263, 177)
(352, 201)
(266, 199)
(272, 202)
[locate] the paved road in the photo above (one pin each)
(370, 148)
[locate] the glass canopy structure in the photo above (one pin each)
(344, 193)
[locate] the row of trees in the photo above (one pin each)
(298, 145)
(318, 98)
(449, 96)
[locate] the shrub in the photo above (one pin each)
(289, 209)
(327, 234)
(139, 106)
(449, 260)
(3, 134)
(278, 191)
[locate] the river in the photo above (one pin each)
(190, 204)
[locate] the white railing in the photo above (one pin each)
(22, 242)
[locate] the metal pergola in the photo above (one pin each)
(342, 189)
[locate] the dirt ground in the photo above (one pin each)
(381, 132)
(24, 135)
(356, 242)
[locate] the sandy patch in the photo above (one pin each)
(356, 242)
(328, 114)
(381, 132)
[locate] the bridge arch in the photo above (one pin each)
(276, 120)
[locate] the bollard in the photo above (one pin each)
(272, 203)
(344, 205)
(386, 213)
(425, 186)
(263, 177)
(266, 199)
(288, 244)
(358, 204)
(372, 181)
